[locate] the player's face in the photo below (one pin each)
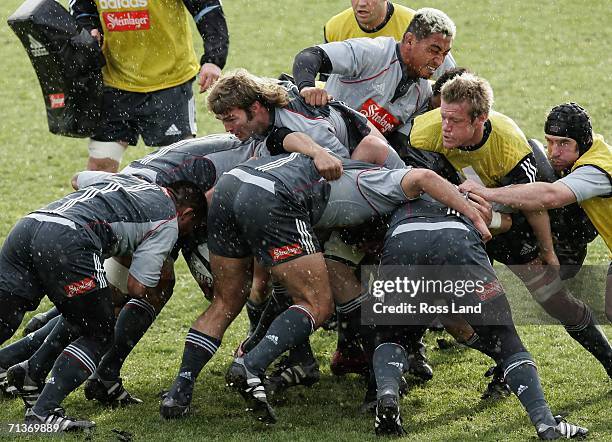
(458, 127)
(562, 152)
(240, 123)
(369, 13)
(424, 56)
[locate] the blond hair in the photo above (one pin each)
(476, 91)
(241, 89)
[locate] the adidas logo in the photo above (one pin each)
(186, 375)
(527, 248)
(521, 389)
(398, 365)
(37, 48)
(273, 338)
(51, 380)
(173, 130)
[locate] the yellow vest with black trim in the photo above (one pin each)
(503, 150)
(147, 44)
(599, 209)
(344, 25)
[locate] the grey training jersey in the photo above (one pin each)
(365, 75)
(199, 161)
(324, 125)
(126, 216)
(364, 192)
(587, 182)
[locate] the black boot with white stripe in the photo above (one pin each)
(252, 390)
(6, 390)
(27, 388)
(388, 420)
(111, 393)
(563, 430)
(57, 417)
(289, 374)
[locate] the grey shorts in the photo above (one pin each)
(161, 118)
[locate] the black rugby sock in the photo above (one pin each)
(389, 362)
(291, 328)
(521, 375)
(349, 325)
(73, 366)
(24, 348)
(254, 312)
(278, 303)
(41, 362)
(134, 320)
(199, 349)
(588, 334)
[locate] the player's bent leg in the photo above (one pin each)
(93, 315)
(258, 297)
(105, 155)
(232, 278)
(547, 289)
(389, 362)
(306, 280)
(39, 320)
(28, 377)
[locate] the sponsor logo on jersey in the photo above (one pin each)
(78, 288)
(126, 21)
(284, 252)
(490, 290)
(379, 116)
(119, 4)
(37, 48)
(173, 130)
(56, 101)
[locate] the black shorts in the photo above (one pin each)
(445, 250)
(517, 246)
(245, 219)
(53, 258)
(162, 117)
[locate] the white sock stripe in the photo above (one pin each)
(203, 339)
(202, 343)
(308, 315)
(81, 357)
(84, 357)
(143, 305)
(352, 304)
(516, 365)
(584, 323)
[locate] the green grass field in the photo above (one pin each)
(535, 54)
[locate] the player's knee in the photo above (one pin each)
(544, 287)
(105, 155)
